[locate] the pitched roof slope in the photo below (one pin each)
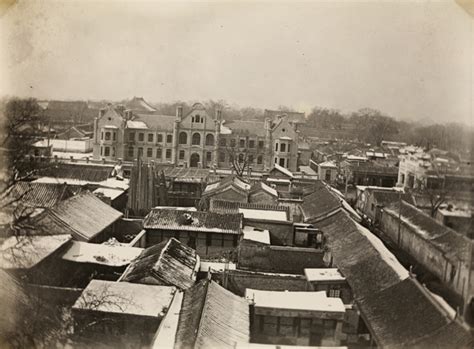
(212, 317)
(321, 202)
(84, 215)
(453, 244)
(397, 310)
(43, 195)
(253, 127)
(229, 181)
(163, 218)
(90, 173)
(167, 263)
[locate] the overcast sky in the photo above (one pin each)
(410, 60)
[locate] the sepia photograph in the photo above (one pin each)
(236, 174)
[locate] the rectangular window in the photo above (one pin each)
(282, 162)
(102, 135)
(158, 153)
(289, 148)
(107, 136)
(242, 143)
(101, 151)
(250, 159)
(283, 147)
(276, 146)
(149, 152)
(372, 207)
(208, 156)
(159, 138)
(169, 139)
(334, 293)
(130, 152)
(114, 136)
(261, 144)
(276, 160)
(328, 176)
(140, 152)
(221, 156)
(259, 160)
(141, 137)
(251, 143)
(222, 142)
(107, 151)
(131, 136)
(168, 153)
(150, 137)
(232, 143)
(181, 154)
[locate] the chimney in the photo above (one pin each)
(179, 112)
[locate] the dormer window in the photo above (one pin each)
(197, 118)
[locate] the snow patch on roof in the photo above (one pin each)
(255, 234)
(308, 301)
(136, 124)
(386, 255)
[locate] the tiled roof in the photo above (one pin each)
(225, 183)
(138, 104)
(453, 244)
(168, 263)
(13, 300)
(381, 286)
(385, 197)
(321, 202)
(90, 173)
(252, 127)
(257, 186)
(84, 215)
(226, 207)
(283, 170)
(157, 122)
(43, 195)
(171, 219)
(212, 317)
(403, 315)
(368, 168)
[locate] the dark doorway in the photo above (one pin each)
(194, 161)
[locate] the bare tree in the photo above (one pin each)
(434, 189)
(239, 160)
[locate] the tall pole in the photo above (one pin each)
(399, 215)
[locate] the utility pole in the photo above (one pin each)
(399, 215)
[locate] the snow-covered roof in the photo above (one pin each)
(306, 301)
(266, 215)
(224, 129)
(323, 274)
(283, 170)
(27, 251)
(166, 334)
(255, 234)
(455, 213)
(136, 124)
(217, 266)
(384, 253)
(286, 138)
(116, 256)
(328, 164)
(355, 157)
(269, 189)
(110, 126)
(109, 192)
(126, 298)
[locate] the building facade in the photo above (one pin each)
(196, 139)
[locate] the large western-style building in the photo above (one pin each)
(197, 138)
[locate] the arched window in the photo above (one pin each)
(196, 139)
(210, 139)
(183, 138)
